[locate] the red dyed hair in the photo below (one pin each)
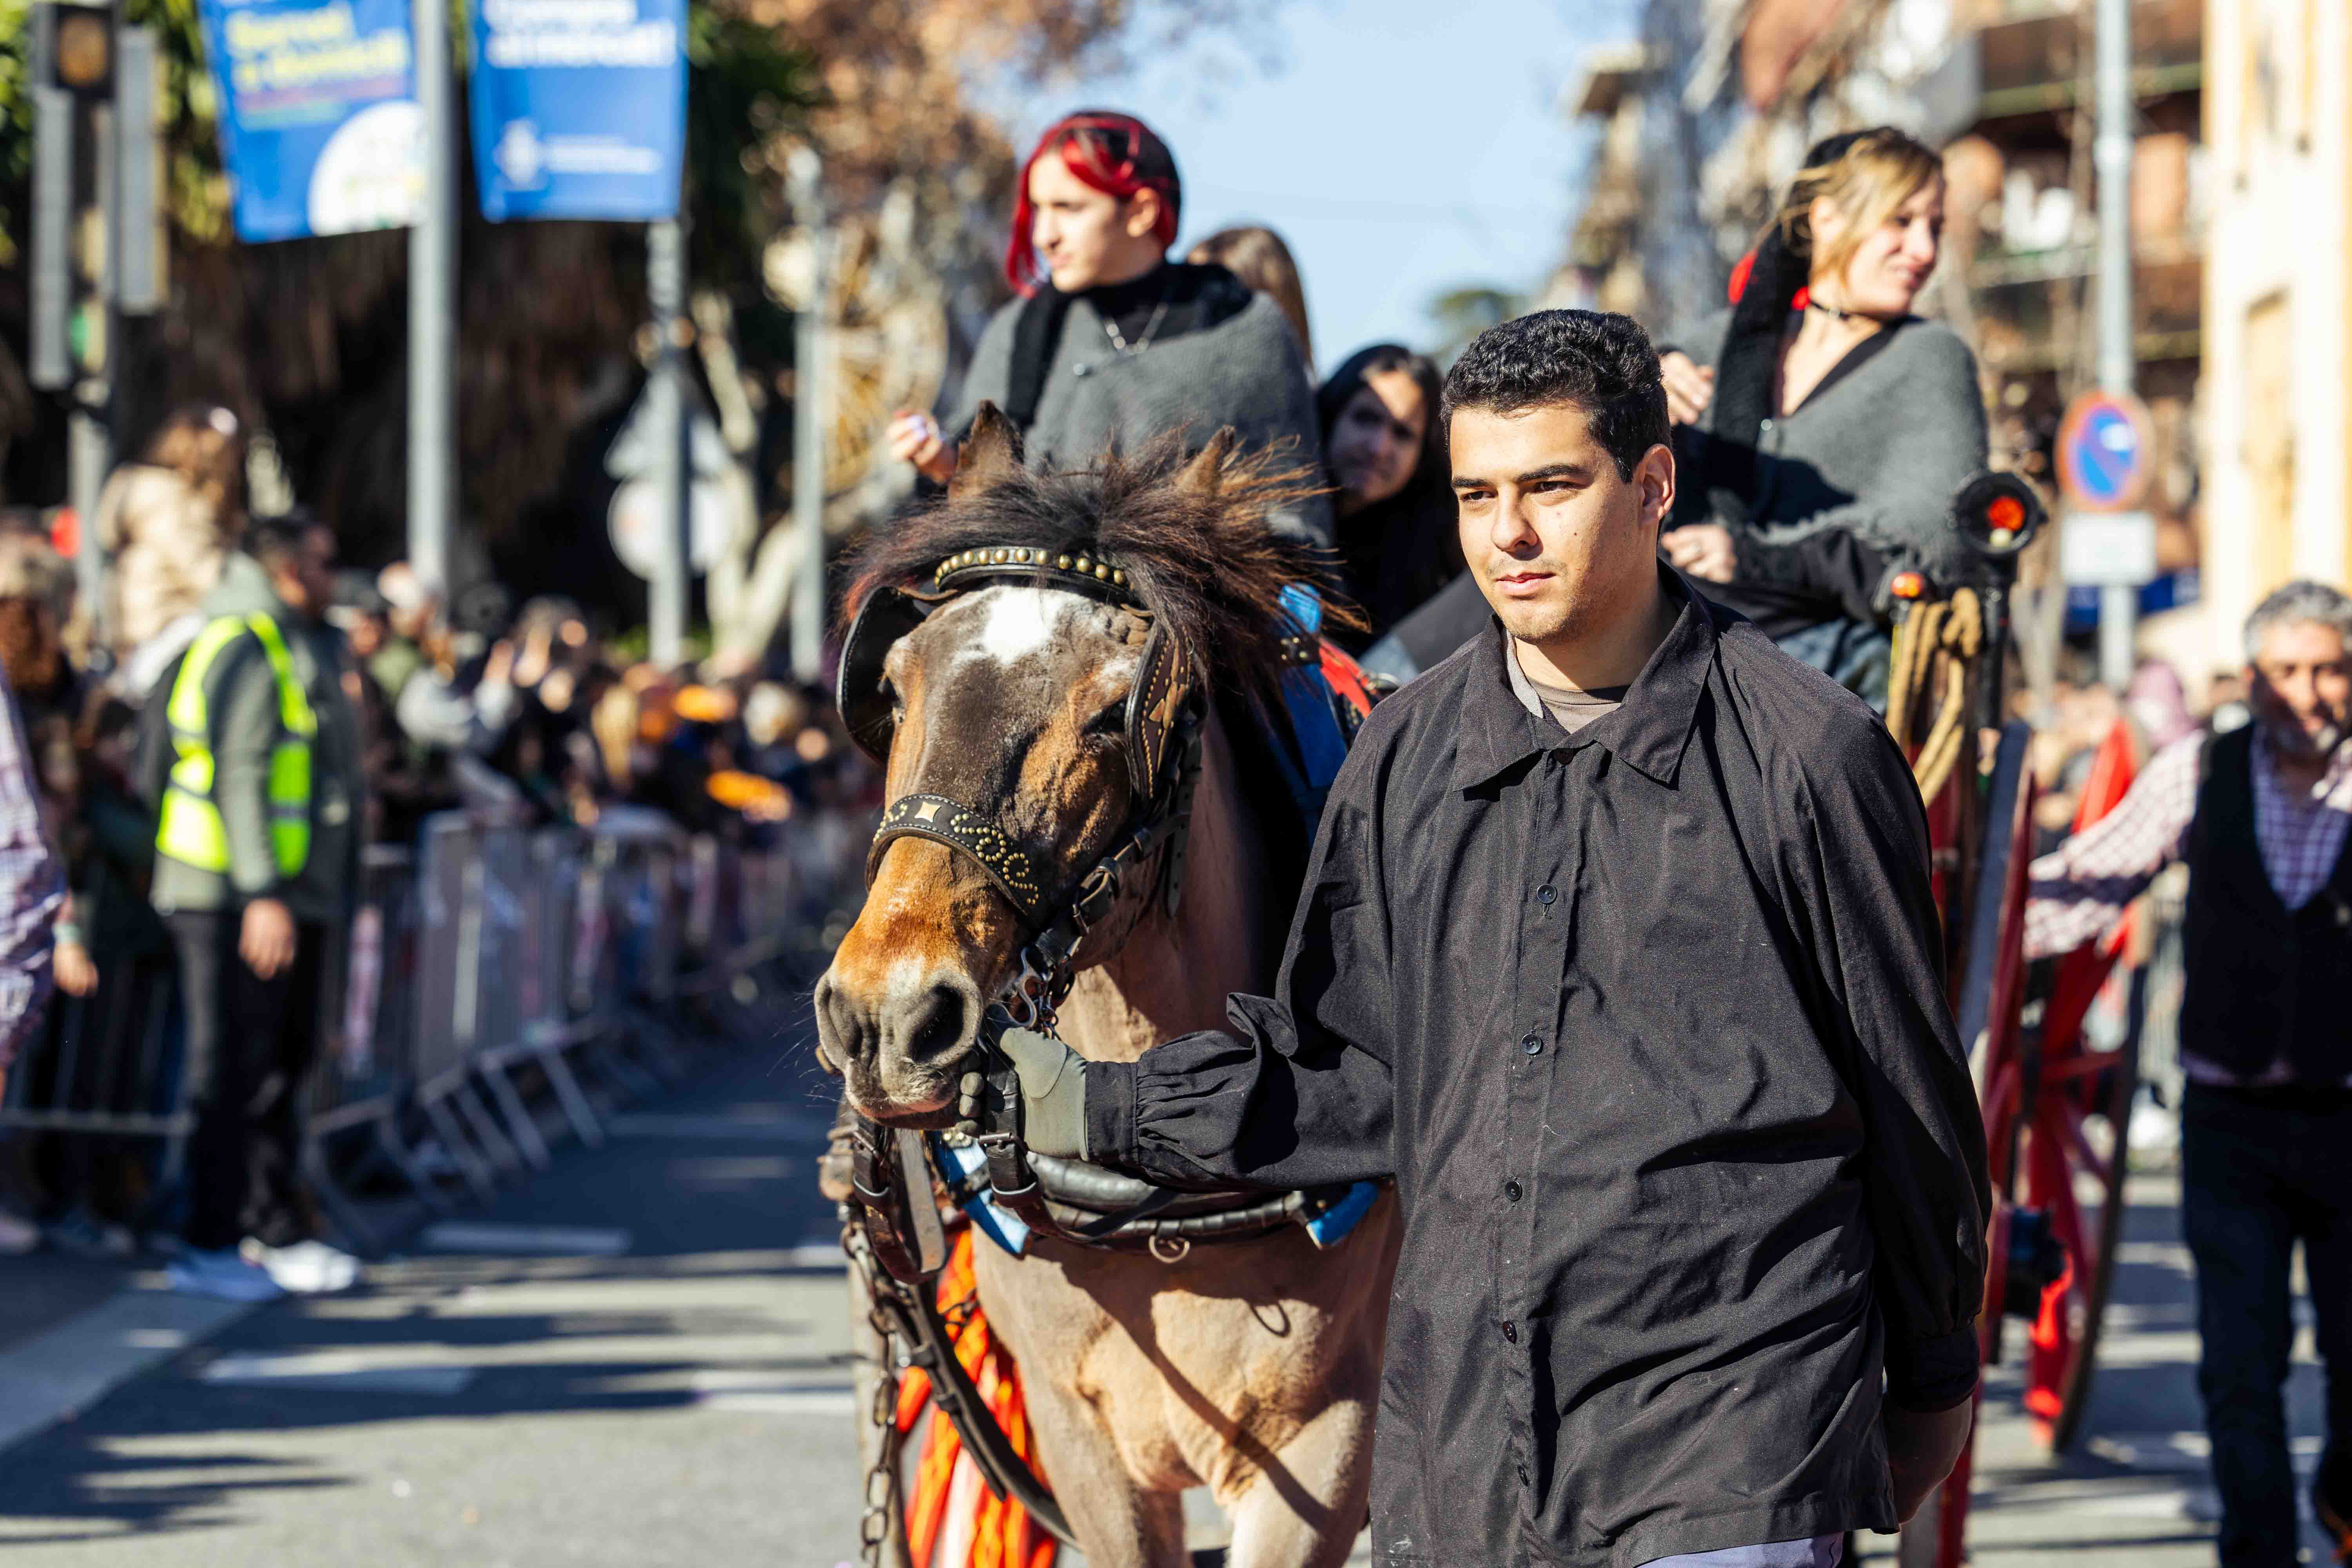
(1115, 153)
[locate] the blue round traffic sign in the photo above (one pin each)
(2103, 452)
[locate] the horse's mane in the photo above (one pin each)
(1201, 558)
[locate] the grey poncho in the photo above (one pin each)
(1874, 453)
(1245, 372)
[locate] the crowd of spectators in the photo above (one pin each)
(521, 715)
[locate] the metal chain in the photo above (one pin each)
(883, 1508)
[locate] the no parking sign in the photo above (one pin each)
(2104, 467)
(2105, 452)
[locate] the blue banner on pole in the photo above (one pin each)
(579, 108)
(318, 125)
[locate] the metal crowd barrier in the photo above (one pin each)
(500, 986)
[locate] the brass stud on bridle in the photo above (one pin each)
(1086, 566)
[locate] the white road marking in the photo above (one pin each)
(760, 1393)
(334, 1372)
(540, 1240)
(55, 1376)
(817, 1252)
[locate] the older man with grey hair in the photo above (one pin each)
(2261, 815)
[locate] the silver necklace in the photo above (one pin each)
(1119, 339)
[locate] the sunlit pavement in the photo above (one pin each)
(2135, 1492)
(637, 1358)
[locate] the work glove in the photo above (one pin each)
(1053, 1091)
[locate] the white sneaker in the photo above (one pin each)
(307, 1267)
(17, 1236)
(224, 1275)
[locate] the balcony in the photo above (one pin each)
(2023, 306)
(2037, 64)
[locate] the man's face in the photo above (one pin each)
(1085, 236)
(2300, 682)
(1557, 537)
(307, 582)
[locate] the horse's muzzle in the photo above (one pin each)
(900, 1045)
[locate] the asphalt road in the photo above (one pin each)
(2136, 1493)
(637, 1358)
(640, 1358)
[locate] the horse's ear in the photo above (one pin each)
(1206, 472)
(988, 455)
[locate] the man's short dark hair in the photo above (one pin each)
(278, 542)
(1601, 363)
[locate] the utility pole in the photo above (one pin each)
(2112, 155)
(93, 253)
(804, 174)
(432, 310)
(666, 419)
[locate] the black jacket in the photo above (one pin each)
(1649, 1026)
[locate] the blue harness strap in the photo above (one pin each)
(1306, 699)
(966, 1169)
(1330, 1227)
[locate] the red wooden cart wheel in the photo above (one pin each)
(2076, 1157)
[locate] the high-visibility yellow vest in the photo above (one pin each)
(189, 830)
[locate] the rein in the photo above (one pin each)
(892, 1229)
(1166, 725)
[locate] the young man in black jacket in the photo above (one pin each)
(1617, 953)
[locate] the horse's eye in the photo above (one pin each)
(1110, 723)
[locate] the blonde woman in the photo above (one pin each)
(168, 521)
(1823, 426)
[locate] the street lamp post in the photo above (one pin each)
(432, 310)
(2112, 154)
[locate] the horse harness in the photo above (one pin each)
(1165, 721)
(893, 1229)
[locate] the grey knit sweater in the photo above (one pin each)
(1245, 372)
(1877, 450)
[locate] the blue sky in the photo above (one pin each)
(1399, 147)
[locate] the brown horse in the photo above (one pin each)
(1249, 1366)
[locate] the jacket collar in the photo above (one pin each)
(1649, 732)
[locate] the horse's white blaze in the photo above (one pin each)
(1020, 623)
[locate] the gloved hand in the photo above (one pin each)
(1053, 1092)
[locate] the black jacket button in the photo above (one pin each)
(1544, 895)
(1510, 1331)
(1513, 1191)
(1532, 1045)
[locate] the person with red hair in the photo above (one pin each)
(1111, 345)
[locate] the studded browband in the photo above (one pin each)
(1088, 574)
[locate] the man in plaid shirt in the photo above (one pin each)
(2261, 815)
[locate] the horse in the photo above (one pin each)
(1251, 1366)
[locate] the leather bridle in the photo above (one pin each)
(1166, 711)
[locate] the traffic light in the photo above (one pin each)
(73, 48)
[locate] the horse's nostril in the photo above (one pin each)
(841, 1035)
(935, 1023)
